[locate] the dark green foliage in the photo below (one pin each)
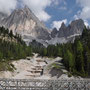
(11, 34)
(76, 56)
(79, 57)
(12, 47)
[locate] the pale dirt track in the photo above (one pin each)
(31, 69)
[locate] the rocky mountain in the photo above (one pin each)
(2, 16)
(54, 33)
(67, 33)
(75, 28)
(25, 23)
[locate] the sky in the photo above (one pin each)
(52, 12)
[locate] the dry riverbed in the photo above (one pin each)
(37, 68)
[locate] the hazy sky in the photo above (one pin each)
(52, 12)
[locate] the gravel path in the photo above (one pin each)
(31, 69)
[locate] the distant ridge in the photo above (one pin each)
(67, 33)
(24, 22)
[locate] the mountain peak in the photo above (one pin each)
(54, 33)
(24, 22)
(75, 28)
(77, 22)
(26, 9)
(63, 25)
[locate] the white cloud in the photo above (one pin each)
(83, 3)
(57, 24)
(86, 23)
(6, 6)
(76, 17)
(85, 12)
(38, 7)
(43, 16)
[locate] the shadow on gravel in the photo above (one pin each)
(56, 72)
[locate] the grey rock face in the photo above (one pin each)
(62, 31)
(67, 33)
(54, 33)
(75, 28)
(2, 16)
(24, 22)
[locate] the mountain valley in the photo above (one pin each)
(29, 35)
(24, 22)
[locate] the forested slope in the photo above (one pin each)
(76, 56)
(12, 47)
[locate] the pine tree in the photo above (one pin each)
(44, 52)
(71, 61)
(11, 34)
(1, 56)
(79, 57)
(87, 59)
